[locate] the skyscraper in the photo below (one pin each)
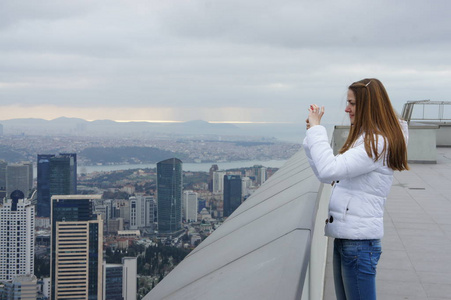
(232, 193)
(43, 185)
(218, 182)
(261, 175)
(213, 168)
(190, 205)
(142, 212)
(63, 174)
(17, 231)
(57, 175)
(169, 195)
(19, 177)
(76, 248)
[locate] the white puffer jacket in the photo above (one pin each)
(356, 207)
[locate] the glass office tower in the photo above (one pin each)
(169, 195)
(232, 193)
(57, 175)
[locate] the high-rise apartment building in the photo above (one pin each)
(142, 212)
(121, 209)
(189, 206)
(169, 195)
(57, 175)
(232, 194)
(218, 182)
(17, 232)
(19, 177)
(76, 248)
(135, 212)
(261, 175)
(213, 169)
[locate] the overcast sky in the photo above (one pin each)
(216, 60)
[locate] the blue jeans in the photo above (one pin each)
(355, 264)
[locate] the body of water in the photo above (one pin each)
(195, 167)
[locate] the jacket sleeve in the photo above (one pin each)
(352, 163)
(310, 160)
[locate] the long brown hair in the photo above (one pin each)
(375, 117)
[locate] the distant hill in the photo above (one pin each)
(198, 128)
(76, 126)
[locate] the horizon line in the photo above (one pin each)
(213, 122)
(161, 121)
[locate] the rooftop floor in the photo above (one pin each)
(416, 259)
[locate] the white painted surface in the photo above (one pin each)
(262, 251)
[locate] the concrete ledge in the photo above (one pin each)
(421, 148)
(444, 135)
(422, 143)
(263, 250)
(339, 137)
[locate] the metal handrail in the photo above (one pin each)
(409, 106)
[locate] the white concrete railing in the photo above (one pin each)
(271, 247)
(314, 285)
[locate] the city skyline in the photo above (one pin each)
(218, 61)
(77, 219)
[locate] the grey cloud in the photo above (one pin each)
(314, 23)
(269, 54)
(15, 12)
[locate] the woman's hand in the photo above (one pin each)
(314, 116)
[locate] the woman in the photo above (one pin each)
(361, 176)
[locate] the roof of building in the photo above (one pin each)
(263, 249)
(416, 258)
